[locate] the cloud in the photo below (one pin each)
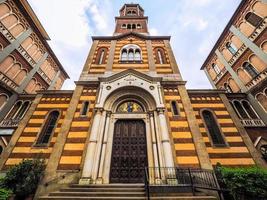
(153, 31)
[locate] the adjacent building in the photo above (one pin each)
(238, 64)
(27, 64)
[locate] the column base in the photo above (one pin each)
(85, 181)
(99, 180)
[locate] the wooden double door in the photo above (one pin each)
(129, 152)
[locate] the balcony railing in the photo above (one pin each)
(7, 81)
(255, 81)
(6, 33)
(9, 123)
(252, 123)
(27, 56)
(44, 76)
(220, 75)
(258, 29)
(237, 54)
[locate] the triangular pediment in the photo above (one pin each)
(128, 72)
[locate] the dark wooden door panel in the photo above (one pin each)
(129, 152)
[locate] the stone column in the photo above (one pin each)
(209, 78)
(231, 71)
(253, 47)
(165, 139)
(154, 145)
(90, 152)
(151, 61)
(52, 85)
(14, 45)
(254, 102)
(103, 151)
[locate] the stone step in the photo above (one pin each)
(98, 194)
(108, 186)
(102, 190)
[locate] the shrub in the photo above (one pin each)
(245, 182)
(5, 194)
(23, 178)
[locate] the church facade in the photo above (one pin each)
(130, 110)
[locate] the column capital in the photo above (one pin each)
(109, 113)
(98, 110)
(151, 113)
(160, 110)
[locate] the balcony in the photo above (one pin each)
(9, 123)
(258, 30)
(7, 81)
(220, 75)
(237, 54)
(44, 76)
(25, 54)
(255, 81)
(252, 123)
(6, 33)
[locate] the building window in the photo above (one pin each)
(175, 110)
(101, 56)
(133, 26)
(123, 26)
(231, 47)
(239, 109)
(160, 56)
(248, 108)
(216, 68)
(129, 26)
(85, 107)
(138, 26)
(3, 100)
(14, 110)
(131, 53)
(21, 112)
(48, 128)
(228, 88)
(253, 19)
(213, 128)
(250, 69)
(1, 150)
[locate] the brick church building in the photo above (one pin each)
(130, 110)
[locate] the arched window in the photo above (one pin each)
(3, 99)
(175, 110)
(250, 69)
(14, 110)
(216, 68)
(131, 52)
(1, 150)
(231, 47)
(124, 55)
(246, 105)
(228, 88)
(48, 128)
(85, 107)
(129, 26)
(160, 56)
(138, 26)
(21, 112)
(241, 112)
(213, 128)
(137, 55)
(123, 26)
(133, 26)
(130, 55)
(253, 19)
(101, 56)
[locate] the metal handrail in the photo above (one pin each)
(147, 184)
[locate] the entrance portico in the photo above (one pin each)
(126, 87)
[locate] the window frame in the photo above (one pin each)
(177, 108)
(231, 48)
(247, 66)
(43, 145)
(226, 144)
(82, 109)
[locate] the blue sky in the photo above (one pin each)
(194, 25)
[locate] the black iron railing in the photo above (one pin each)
(181, 177)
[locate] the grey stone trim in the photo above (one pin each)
(243, 133)
(111, 55)
(52, 85)
(231, 71)
(151, 61)
(257, 50)
(172, 57)
(11, 47)
(26, 81)
(2, 1)
(262, 114)
(89, 59)
(264, 1)
(3, 112)
(210, 79)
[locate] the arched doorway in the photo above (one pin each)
(129, 151)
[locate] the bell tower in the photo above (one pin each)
(131, 19)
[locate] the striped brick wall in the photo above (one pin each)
(162, 68)
(95, 68)
(236, 153)
(75, 144)
(186, 155)
(25, 146)
(142, 67)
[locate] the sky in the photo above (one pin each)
(194, 27)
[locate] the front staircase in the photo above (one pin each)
(116, 191)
